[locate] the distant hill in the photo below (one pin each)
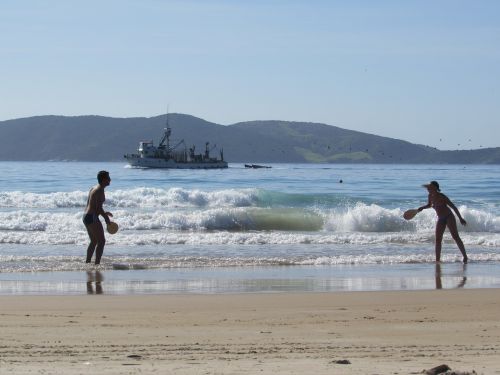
(98, 138)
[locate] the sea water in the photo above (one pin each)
(292, 227)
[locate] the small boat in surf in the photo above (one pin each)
(255, 166)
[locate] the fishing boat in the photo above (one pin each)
(174, 157)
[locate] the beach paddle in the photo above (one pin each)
(410, 214)
(112, 227)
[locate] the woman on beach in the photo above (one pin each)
(445, 218)
(91, 220)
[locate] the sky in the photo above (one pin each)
(424, 71)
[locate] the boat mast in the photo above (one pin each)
(166, 135)
(168, 131)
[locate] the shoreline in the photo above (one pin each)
(128, 279)
(382, 332)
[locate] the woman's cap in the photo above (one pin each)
(432, 183)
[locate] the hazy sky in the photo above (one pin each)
(424, 71)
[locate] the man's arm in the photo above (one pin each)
(100, 210)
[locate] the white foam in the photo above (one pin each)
(19, 199)
(367, 218)
(480, 221)
(35, 263)
(134, 198)
(78, 236)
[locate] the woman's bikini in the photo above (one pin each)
(443, 219)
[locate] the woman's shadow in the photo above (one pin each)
(439, 284)
(94, 278)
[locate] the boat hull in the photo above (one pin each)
(172, 164)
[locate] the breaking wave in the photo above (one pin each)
(149, 216)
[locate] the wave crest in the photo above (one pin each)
(134, 198)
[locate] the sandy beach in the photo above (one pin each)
(286, 333)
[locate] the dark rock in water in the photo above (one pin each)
(343, 362)
(437, 370)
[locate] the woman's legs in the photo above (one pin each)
(440, 227)
(452, 226)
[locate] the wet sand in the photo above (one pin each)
(402, 332)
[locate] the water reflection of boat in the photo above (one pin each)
(256, 166)
(173, 157)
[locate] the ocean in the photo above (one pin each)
(289, 228)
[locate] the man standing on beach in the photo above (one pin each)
(91, 220)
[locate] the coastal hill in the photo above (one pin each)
(98, 138)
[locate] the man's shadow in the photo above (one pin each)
(94, 278)
(439, 284)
